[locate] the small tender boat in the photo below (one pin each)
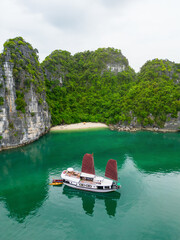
(56, 182)
(88, 181)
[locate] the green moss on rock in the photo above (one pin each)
(1, 101)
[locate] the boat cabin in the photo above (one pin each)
(87, 176)
(98, 179)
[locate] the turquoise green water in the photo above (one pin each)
(146, 207)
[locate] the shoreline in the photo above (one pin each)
(93, 125)
(136, 129)
(79, 126)
(25, 143)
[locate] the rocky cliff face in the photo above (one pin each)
(24, 114)
(153, 102)
(160, 68)
(57, 65)
(171, 125)
(115, 61)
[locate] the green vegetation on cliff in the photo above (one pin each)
(97, 86)
(1, 101)
(156, 94)
(83, 87)
(100, 86)
(20, 102)
(27, 71)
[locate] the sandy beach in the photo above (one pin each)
(83, 125)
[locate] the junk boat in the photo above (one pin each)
(88, 181)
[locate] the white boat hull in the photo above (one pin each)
(90, 189)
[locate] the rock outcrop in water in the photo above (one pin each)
(171, 125)
(24, 114)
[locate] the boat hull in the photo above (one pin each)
(56, 184)
(90, 189)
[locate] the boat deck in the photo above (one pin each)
(73, 174)
(76, 176)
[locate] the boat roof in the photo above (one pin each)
(106, 182)
(70, 169)
(98, 178)
(72, 179)
(83, 174)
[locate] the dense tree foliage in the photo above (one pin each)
(156, 94)
(90, 91)
(88, 87)
(95, 85)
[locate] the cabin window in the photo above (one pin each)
(66, 181)
(100, 187)
(89, 179)
(82, 185)
(82, 178)
(89, 186)
(106, 187)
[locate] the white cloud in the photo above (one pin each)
(143, 30)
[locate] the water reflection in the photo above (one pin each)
(89, 199)
(23, 195)
(23, 201)
(154, 153)
(23, 178)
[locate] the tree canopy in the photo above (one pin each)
(101, 86)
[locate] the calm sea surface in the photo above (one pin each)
(146, 207)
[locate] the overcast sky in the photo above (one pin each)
(142, 29)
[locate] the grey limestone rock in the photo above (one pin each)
(171, 125)
(21, 127)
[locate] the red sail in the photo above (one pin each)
(111, 170)
(88, 164)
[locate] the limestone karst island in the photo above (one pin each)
(90, 86)
(108, 163)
